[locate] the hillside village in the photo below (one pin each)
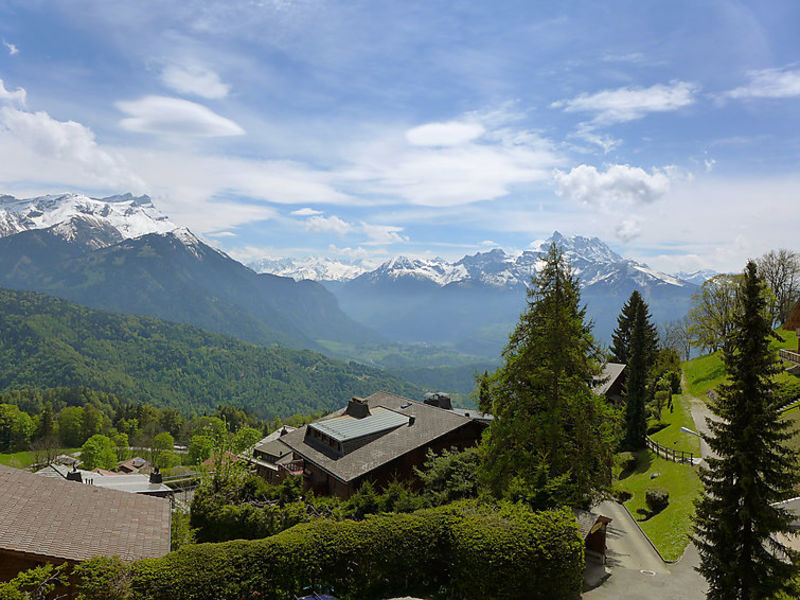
(232, 476)
(348, 300)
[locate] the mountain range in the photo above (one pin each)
(473, 303)
(121, 254)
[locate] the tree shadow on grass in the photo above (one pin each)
(644, 460)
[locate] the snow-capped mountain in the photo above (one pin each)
(696, 277)
(593, 261)
(76, 215)
(316, 268)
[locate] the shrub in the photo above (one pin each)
(656, 427)
(621, 494)
(503, 552)
(657, 499)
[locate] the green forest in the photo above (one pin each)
(46, 342)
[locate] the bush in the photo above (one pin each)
(506, 552)
(657, 499)
(656, 427)
(621, 494)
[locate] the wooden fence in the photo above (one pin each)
(791, 356)
(678, 456)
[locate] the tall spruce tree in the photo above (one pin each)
(636, 385)
(621, 336)
(737, 522)
(552, 438)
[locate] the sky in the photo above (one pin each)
(365, 130)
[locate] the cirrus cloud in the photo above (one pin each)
(769, 83)
(174, 116)
(631, 103)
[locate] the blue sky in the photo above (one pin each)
(371, 129)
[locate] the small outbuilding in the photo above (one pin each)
(593, 529)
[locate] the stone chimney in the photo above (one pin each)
(357, 408)
(74, 475)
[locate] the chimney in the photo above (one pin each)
(411, 420)
(74, 475)
(155, 476)
(438, 399)
(357, 408)
(283, 431)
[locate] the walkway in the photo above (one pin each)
(636, 570)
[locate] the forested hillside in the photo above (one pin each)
(48, 342)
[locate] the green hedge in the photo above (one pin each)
(471, 550)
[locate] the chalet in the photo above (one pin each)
(378, 439)
(792, 356)
(611, 381)
(273, 459)
(52, 520)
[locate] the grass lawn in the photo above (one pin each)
(672, 436)
(707, 371)
(669, 530)
(23, 460)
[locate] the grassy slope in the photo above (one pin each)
(23, 460)
(669, 530)
(707, 371)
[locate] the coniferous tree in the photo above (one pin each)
(621, 336)
(737, 522)
(552, 438)
(636, 385)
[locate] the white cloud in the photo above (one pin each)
(383, 234)
(769, 83)
(619, 187)
(628, 103)
(222, 234)
(12, 49)
(305, 212)
(488, 243)
(36, 147)
(451, 175)
(17, 96)
(332, 224)
(450, 133)
(173, 116)
(194, 79)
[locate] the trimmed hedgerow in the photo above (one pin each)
(470, 550)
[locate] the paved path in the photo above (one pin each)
(636, 570)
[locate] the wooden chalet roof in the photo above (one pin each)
(67, 520)
(429, 424)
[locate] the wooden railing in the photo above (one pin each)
(678, 456)
(790, 355)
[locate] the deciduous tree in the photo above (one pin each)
(781, 272)
(99, 452)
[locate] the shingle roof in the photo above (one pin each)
(134, 483)
(61, 519)
(611, 372)
(430, 423)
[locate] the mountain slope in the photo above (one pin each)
(48, 342)
(173, 276)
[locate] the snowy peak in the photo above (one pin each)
(696, 277)
(311, 267)
(131, 216)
